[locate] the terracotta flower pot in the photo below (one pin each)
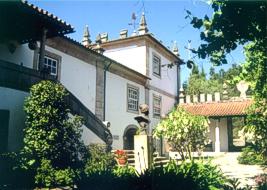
(122, 161)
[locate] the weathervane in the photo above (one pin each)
(133, 23)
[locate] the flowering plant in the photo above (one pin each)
(120, 154)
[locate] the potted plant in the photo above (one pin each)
(121, 157)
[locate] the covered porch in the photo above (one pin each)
(226, 121)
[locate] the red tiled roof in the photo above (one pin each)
(219, 109)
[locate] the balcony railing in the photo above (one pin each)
(22, 78)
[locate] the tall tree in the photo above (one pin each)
(50, 133)
(239, 23)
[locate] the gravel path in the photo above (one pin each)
(229, 165)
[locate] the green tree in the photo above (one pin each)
(197, 83)
(51, 135)
(184, 132)
(236, 23)
(230, 79)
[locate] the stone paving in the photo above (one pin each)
(228, 163)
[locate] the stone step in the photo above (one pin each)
(160, 159)
(131, 160)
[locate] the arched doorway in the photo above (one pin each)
(128, 137)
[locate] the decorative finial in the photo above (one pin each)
(143, 26)
(175, 49)
(181, 95)
(225, 92)
(98, 47)
(242, 87)
(86, 37)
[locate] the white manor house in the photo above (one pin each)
(107, 80)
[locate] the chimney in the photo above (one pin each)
(195, 98)
(142, 26)
(104, 37)
(123, 33)
(217, 96)
(209, 97)
(188, 99)
(202, 98)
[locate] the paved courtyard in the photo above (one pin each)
(229, 165)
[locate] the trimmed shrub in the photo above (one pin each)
(186, 176)
(99, 159)
(250, 156)
(205, 175)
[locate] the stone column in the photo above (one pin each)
(217, 137)
(142, 152)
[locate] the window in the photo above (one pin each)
(51, 64)
(156, 65)
(156, 106)
(133, 98)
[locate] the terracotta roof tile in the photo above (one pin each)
(219, 109)
(46, 13)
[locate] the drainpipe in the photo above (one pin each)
(106, 68)
(42, 50)
(178, 81)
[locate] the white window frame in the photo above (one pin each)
(156, 62)
(132, 99)
(46, 60)
(157, 114)
(50, 55)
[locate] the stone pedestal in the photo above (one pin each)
(142, 152)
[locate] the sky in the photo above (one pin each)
(165, 19)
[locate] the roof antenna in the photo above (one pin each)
(189, 49)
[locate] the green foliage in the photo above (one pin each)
(47, 176)
(234, 184)
(52, 139)
(190, 176)
(156, 179)
(240, 23)
(205, 175)
(255, 71)
(124, 171)
(184, 132)
(251, 157)
(257, 125)
(99, 159)
(161, 179)
(13, 177)
(198, 83)
(231, 78)
(232, 23)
